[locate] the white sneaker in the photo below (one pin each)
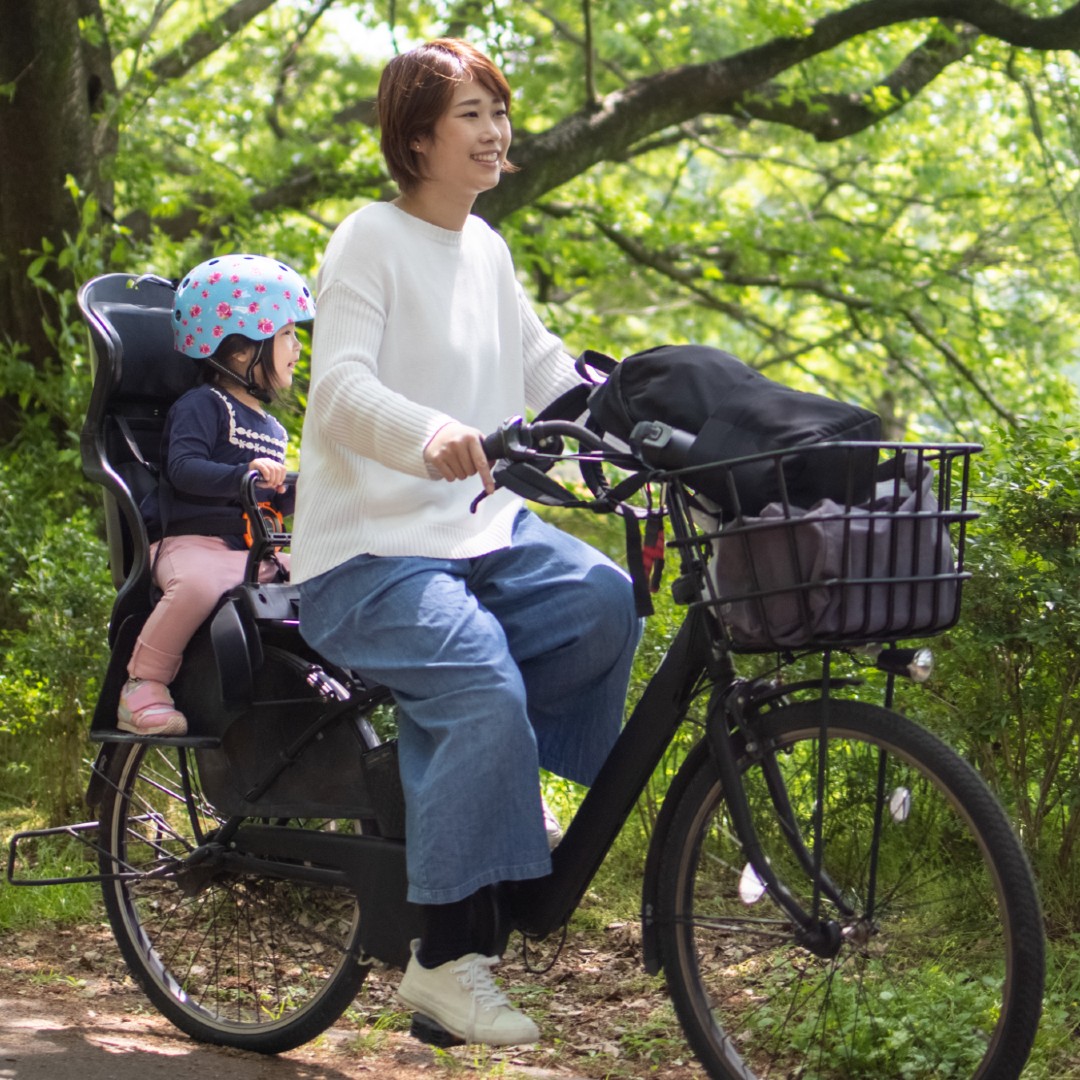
(462, 997)
(551, 826)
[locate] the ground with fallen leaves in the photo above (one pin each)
(69, 1010)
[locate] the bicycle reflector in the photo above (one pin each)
(914, 664)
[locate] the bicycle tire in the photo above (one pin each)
(940, 966)
(255, 962)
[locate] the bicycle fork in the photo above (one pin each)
(726, 716)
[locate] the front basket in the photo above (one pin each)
(845, 573)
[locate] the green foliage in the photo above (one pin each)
(924, 264)
(1008, 684)
(882, 1046)
(52, 640)
(1054, 1054)
(53, 391)
(53, 616)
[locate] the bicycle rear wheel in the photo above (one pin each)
(254, 961)
(938, 967)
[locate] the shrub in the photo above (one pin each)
(1008, 682)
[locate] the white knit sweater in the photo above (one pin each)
(416, 326)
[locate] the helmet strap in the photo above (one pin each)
(260, 393)
(253, 388)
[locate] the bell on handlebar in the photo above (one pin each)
(550, 445)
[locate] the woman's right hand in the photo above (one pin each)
(455, 452)
(272, 472)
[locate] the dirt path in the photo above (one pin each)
(68, 1011)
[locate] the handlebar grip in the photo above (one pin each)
(507, 443)
(494, 445)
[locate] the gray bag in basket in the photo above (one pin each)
(874, 572)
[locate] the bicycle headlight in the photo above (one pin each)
(914, 664)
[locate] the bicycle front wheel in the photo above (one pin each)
(936, 968)
(258, 961)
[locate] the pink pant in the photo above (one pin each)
(193, 573)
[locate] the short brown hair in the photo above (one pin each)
(415, 90)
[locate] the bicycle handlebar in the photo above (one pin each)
(263, 539)
(518, 440)
(253, 480)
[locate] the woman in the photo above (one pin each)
(507, 644)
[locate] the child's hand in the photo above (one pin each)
(272, 472)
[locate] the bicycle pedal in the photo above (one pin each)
(432, 1032)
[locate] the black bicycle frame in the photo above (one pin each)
(541, 905)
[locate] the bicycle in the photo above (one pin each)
(816, 859)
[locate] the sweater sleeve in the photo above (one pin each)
(349, 403)
(194, 432)
(549, 369)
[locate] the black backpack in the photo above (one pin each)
(733, 411)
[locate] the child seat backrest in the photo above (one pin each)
(137, 376)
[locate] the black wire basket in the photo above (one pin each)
(880, 561)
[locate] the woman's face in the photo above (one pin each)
(470, 141)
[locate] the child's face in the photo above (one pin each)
(286, 354)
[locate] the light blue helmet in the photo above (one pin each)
(237, 294)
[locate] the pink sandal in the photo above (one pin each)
(146, 708)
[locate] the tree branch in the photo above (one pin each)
(299, 189)
(589, 54)
(618, 124)
(208, 39)
(689, 279)
(830, 117)
(285, 68)
(953, 359)
(680, 94)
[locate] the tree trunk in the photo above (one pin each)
(50, 82)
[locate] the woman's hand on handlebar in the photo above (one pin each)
(271, 473)
(456, 453)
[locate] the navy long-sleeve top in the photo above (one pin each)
(210, 439)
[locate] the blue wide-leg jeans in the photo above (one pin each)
(499, 664)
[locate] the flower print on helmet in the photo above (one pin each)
(213, 298)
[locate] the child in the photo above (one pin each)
(238, 313)
(507, 643)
